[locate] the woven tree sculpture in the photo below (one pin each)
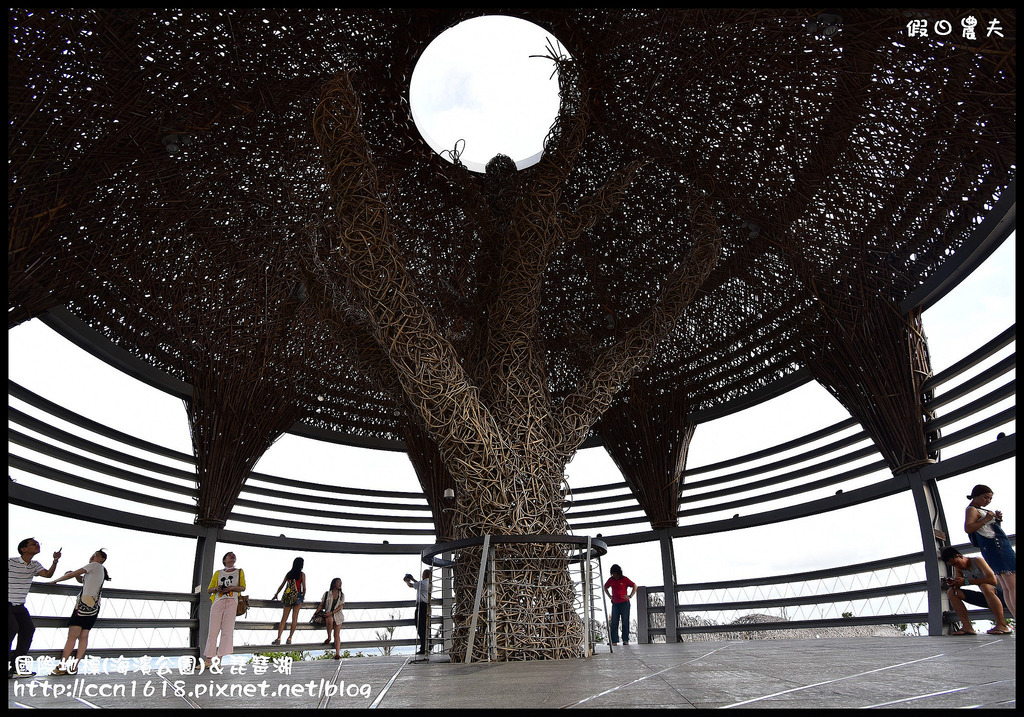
(647, 434)
(500, 434)
(54, 144)
(241, 338)
(726, 197)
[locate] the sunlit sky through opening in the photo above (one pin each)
(484, 88)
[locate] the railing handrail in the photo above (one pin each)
(825, 468)
(418, 503)
(903, 588)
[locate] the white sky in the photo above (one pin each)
(46, 364)
(477, 82)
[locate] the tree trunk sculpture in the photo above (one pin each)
(502, 436)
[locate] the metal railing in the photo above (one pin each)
(149, 612)
(580, 557)
(702, 610)
(779, 483)
(743, 487)
(41, 451)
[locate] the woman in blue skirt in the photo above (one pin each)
(984, 530)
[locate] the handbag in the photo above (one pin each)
(243, 605)
(84, 609)
(320, 615)
(291, 596)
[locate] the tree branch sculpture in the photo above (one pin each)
(502, 437)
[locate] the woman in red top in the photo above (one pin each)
(620, 589)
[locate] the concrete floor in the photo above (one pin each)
(921, 672)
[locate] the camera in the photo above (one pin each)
(408, 576)
(946, 583)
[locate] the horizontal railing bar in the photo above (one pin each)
(991, 398)
(38, 469)
(782, 447)
(894, 619)
(1005, 338)
(114, 652)
(754, 500)
(37, 401)
(48, 502)
(786, 492)
(73, 591)
(90, 485)
(975, 383)
(55, 474)
(129, 594)
(793, 460)
(277, 522)
(846, 596)
(975, 429)
(120, 622)
(61, 436)
(369, 492)
(987, 423)
(793, 475)
(996, 451)
(969, 460)
(34, 399)
(61, 454)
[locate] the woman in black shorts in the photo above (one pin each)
(87, 609)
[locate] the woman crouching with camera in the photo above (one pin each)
(973, 571)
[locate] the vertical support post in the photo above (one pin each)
(643, 635)
(668, 571)
(588, 599)
(604, 602)
(202, 573)
(476, 601)
(447, 602)
(492, 610)
(930, 518)
(430, 598)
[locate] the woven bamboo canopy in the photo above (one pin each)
(168, 185)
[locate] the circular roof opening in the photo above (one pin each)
(477, 90)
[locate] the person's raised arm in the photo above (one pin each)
(49, 573)
(68, 576)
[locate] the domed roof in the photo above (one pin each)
(166, 188)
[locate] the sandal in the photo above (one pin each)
(327, 641)
(289, 641)
(995, 631)
(276, 642)
(961, 633)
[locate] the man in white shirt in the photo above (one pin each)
(20, 571)
(422, 608)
